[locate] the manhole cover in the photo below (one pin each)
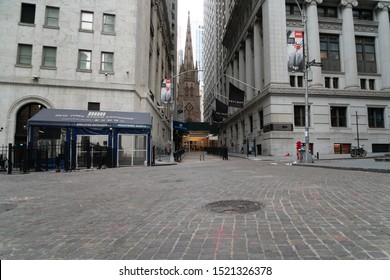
(234, 206)
(7, 207)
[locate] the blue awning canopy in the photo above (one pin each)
(91, 119)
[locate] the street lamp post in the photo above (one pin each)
(307, 64)
(305, 73)
(171, 157)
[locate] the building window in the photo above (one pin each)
(327, 82)
(292, 81)
(49, 57)
(376, 118)
(108, 23)
(331, 82)
(371, 84)
(107, 62)
(292, 9)
(300, 81)
(330, 54)
(86, 21)
(52, 16)
(261, 119)
(335, 82)
(341, 148)
(27, 13)
(93, 106)
(84, 60)
(327, 12)
(362, 83)
(251, 123)
(338, 116)
(296, 81)
(24, 54)
(365, 52)
(299, 115)
(362, 15)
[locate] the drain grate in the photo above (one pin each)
(7, 207)
(234, 206)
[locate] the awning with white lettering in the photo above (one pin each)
(92, 119)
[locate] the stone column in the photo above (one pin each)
(231, 71)
(313, 38)
(257, 48)
(349, 45)
(249, 66)
(159, 66)
(384, 43)
(275, 43)
(235, 71)
(241, 67)
(152, 70)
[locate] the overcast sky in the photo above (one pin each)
(195, 7)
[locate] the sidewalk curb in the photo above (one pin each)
(376, 170)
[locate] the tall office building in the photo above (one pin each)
(199, 50)
(85, 55)
(347, 63)
(213, 54)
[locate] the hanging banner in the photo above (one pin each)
(221, 109)
(216, 119)
(236, 96)
(166, 95)
(295, 50)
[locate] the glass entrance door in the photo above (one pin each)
(132, 150)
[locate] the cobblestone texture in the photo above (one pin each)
(158, 213)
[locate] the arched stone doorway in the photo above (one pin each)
(22, 116)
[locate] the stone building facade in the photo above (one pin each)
(348, 95)
(85, 55)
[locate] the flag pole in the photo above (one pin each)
(258, 90)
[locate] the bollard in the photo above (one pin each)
(318, 155)
(9, 158)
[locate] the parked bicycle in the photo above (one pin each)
(358, 151)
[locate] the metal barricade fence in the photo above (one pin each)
(54, 156)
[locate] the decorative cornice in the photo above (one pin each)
(331, 92)
(318, 92)
(349, 3)
(330, 26)
(371, 27)
(296, 24)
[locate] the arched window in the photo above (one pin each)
(26, 112)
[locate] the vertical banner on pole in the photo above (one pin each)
(295, 50)
(166, 95)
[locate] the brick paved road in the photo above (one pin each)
(158, 213)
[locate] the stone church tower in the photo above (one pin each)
(188, 97)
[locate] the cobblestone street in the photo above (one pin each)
(159, 213)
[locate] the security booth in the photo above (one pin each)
(73, 139)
